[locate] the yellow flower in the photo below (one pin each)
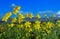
(5, 18)
(44, 28)
(23, 37)
(50, 24)
(20, 20)
(29, 29)
(27, 24)
(37, 22)
(58, 24)
(8, 14)
(21, 16)
(48, 31)
(16, 9)
(14, 19)
(21, 26)
(30, 15)
(27, 34)
(37, 37)
(38, 16)
(37, 27)
(58, 21)
(12, 24)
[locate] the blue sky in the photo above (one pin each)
(34, 6)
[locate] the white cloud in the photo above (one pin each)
(24, 12)
(58, 12)
(13, 4)
(46, 12)
(21, 12)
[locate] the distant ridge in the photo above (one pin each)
(34, 19)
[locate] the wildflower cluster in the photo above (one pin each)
(19, 28)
